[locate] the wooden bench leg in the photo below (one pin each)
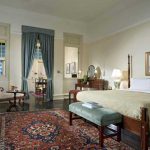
(70, 118)
(118, 132)
(101, 136)
(69, 98)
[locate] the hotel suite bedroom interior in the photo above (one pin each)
(51, 50)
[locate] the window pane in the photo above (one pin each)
(38, 54)
(1, 69)
(0, 49)
(2, 57)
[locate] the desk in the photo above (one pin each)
(13, 104)
(95, 83)
(81, 85)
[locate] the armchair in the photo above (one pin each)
(12, 97)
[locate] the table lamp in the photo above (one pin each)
(116, 75)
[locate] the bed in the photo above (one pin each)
(133, 104)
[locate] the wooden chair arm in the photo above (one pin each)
(1, 89)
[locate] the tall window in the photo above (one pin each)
(38, 62)
(2, 57)
(38, 54)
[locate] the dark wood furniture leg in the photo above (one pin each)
(144, 129)
(118, 133)
(69, 97)
(13, 104)
(70, 118)
(13, 101)
(74, 93)
(101, 136)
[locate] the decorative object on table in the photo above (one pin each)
(50, 130)
(85, 79)
(147, 63)
(98, 72)
(95, 74)
(116, 75)
(13, 88)
(91, 105)
(91, 71)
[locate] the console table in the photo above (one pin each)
(93, 83)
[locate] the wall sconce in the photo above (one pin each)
(79, 74)
(116, 75)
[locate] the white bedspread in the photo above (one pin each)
(127, 103)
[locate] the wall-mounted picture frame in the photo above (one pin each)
(68, 68)
(147, 63)
(73, 67)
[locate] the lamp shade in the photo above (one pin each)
(116, 74)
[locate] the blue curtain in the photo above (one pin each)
(28, 50)
(47, 49)
(29, 38)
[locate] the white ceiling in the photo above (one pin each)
(78, 10)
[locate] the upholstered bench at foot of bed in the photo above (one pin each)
(100, 116)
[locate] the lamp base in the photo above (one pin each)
(117, 84)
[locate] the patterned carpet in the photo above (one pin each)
(49, 130)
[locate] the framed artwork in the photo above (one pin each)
(68, 68)
(147, 63)
(73, 67)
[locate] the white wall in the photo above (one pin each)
(112, 51)
(16, 18)
(15, 60)
(119, 18)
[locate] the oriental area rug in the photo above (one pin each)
(50, 130)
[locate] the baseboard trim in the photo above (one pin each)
(61, 96)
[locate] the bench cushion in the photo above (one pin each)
(99, 115)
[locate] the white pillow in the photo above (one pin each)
(141, 84)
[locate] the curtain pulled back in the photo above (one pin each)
(47, 49)
(29, 39)
(28, 50)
